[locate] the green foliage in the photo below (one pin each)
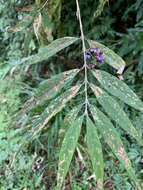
(94, 148)
(112, 138)
(115, 87)
(10, 102)
(111, 58)
(54, 107)
(42, 115)
(53, 86)
(119, 89)
(100, 7)
(67, 150)
(111, 107)
(46, 52)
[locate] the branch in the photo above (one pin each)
(84, 51)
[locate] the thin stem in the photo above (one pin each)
(43, 5)
(85, 63)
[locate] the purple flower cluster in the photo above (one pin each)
(96, 52)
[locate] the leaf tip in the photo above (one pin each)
(121, 69)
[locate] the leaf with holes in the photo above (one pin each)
(55, 106)
(47, 52)
(95, 152)
(49, 88)
(118, 88)
(111, 57)
(112, 138)
(115, 112)
(67, 150)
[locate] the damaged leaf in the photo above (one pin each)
(118, 88)
(55, 106)
(67, 150)
(49, 89)
(115, 112)
(95, 152)
(112, 138)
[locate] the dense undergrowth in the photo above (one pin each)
(26, 27)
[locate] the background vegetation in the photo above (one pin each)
(25, 28)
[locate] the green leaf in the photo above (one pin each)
(100, 8)
(72, 115)
(95, 152)
(67, 150)
(112, 138)
(111, 57)
(4, 69)
(55, 106)
(118, 88)
(48, 51)
(69, 118)
(49, 89)
(116, 113)
(55, 82)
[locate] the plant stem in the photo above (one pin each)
(85, 63)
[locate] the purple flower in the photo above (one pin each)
(87, 56)
(100, 58)
(94, 50)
